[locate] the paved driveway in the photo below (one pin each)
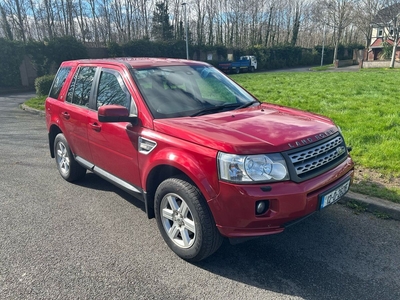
(93, 241)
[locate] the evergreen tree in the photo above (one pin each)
(162, 30)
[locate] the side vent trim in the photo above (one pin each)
(146, 145)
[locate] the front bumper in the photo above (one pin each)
(234, 207)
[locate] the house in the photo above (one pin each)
(385, 27)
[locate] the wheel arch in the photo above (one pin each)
(53, 131)
(164, 171)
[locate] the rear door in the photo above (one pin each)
(114, 145)
(74, 113)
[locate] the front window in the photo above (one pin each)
(112, 90)
(183, 91)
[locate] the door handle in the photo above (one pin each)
(95, 126)
(66, 115)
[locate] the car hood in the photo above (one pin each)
(261, 129)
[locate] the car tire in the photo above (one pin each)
(69, 169)
(185, 221)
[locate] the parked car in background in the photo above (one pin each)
(207, 158)
(247, 63)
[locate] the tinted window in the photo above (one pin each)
(79, 90)
(112, 90)
(59, 81)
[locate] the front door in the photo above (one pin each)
(114, 145)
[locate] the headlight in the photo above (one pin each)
(252, 168)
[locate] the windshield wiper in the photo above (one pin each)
(213, 109)
(247, 104)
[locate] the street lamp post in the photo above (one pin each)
(323, 45)
(186, 32)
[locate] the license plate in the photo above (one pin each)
(334, 195)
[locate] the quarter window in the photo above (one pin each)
(59, 82)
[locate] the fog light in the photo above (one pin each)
(262, 207)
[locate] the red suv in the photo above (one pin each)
(206, 157)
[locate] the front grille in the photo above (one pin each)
(310, 161)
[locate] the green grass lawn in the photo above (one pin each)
(365, 104)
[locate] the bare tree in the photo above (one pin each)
(337, 14)
(364, 17)
(200, 10)
(211, 11)
(17, 11)
(268, 30)
(233, 23)
(5, 24)
(296, 21)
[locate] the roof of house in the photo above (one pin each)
(378, 43)
(387, 14)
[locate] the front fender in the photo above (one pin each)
(201, 167)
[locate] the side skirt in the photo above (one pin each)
(127, 187)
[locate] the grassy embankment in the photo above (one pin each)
(364, 104)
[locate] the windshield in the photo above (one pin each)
(182, 91)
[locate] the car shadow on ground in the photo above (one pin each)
(93, 181)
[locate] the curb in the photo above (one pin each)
(374, 204)
(32, 110)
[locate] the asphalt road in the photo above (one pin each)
(92, 241)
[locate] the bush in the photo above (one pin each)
(143, 48)
(43, 84)
(114, 50)
(310, 57)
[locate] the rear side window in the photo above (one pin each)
(81, 85)
(59, 82)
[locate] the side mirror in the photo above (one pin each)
(115, 113)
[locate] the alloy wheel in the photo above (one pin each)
(177, 220)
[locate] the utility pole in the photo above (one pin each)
(186, 31)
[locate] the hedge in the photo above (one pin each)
(11, 56)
